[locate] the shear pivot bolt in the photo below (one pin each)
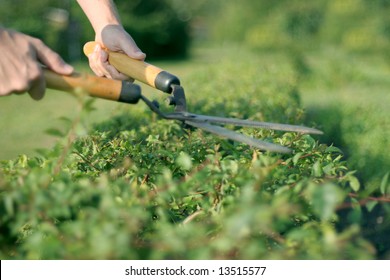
(171, 100)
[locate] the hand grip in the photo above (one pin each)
(138, 70)
(121, 91)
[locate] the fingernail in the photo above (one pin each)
(140, 54)
(68, 68)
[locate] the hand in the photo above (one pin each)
(20, 64)
(114, 38)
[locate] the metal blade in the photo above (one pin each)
(186, 116)
(249, 123)
(223, 132)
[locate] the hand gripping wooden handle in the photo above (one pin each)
(122, 91)
(137, 69)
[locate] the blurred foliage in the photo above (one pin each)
(331, 45)
(166, 28)
(136, 187)
(358, 25)
(351, 104)
(160, 27)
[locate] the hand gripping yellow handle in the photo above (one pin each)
(137, 69)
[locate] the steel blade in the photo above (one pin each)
(249, 123)
(185, 116)
(226, 133)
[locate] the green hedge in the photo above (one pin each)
(137, 187)
(356, 25)
(160, 27)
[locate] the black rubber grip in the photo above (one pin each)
(165, 80)
(130, 93)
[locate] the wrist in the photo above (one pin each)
(108, 29)
(100, 13)
(100, 24)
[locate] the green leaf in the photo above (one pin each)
(9, 205)
(354, 183)
(184, 161)
(55, 132)
(333, 149)
(325, 199)
(317, 169)
(329, 169)
(88, 105)
(384, 188)
(371, 204)
(296, 158)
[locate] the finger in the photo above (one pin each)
(51, 59)
(37, 82)
(117, 39)
(104, 68)
(115, 74)
(103, 63)
(130, 48)
(92, 58)
(98, 62)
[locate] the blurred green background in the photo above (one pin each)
(340, 51)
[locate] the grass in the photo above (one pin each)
(24, 121)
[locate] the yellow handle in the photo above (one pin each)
(94, 86)
(138, 70)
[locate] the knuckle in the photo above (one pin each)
(37, 42)
(20, 85)
(34, 74)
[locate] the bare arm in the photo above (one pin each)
(100, 13)
(109, 33)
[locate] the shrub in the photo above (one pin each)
(160, 27)
(306, 24)
(141, 188)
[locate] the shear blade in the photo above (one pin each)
(249, 123)
(223, 132)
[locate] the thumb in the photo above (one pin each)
(130, 48)
(52, 60)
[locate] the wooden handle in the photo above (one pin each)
(94, 86)
(138, 70)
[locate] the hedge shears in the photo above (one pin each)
(128, 92)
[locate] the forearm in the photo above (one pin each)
(100, 13)
(111, 35)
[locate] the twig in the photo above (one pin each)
(362, 202)
(192, 216)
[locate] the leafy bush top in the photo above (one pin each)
(140, 188)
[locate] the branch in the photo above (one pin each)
(362, 202)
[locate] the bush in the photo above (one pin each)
(160, 28)
(349, 97)
(141, 188)
(307, 24)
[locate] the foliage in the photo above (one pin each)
(285, 24)
(137, 187)
(353, 108)
(160, 28)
